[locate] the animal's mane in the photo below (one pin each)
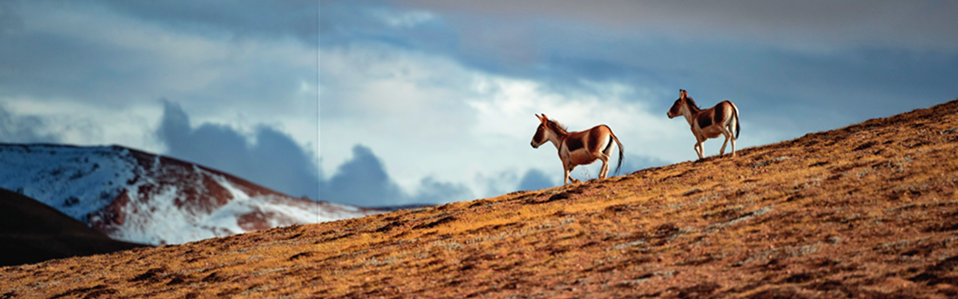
(692, 102)
(559, 125)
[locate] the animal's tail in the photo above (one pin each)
(621, 152)
(738, 127)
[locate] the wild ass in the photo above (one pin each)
(709, 123)
(578, 148)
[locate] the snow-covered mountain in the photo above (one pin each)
(135, 196)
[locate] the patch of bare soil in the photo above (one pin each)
(869, 210)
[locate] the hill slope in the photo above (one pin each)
(140, 197)
(31, 232)
(867, 210)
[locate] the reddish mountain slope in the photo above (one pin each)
(869, 211)
(140, 197)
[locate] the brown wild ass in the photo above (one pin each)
(578, 148)
(709, 123)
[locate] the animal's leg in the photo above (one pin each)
(604, 171)
(699, 150)
(727, 136)
(568, 174)
(566, 177)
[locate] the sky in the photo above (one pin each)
(381, 103)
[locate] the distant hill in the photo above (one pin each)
(31, 232)
(865, 211)
(140, 197)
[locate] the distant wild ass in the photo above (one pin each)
(578, 148)
(709, 123)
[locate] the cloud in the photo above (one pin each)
(274, 160)
(498, 183)
(24, 128)
(535, 179)
(363, 181)
(929, 24)
(431, 191)
(786, 63)
(633, 163)
(10, 20)
(107, 55)
(295, 18)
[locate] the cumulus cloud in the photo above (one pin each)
(535, 179)
(274, 160)
(633, 163)
(24, 129)
(497, 183)
(432, 191)
(362, 181)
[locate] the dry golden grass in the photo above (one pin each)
(869, 210)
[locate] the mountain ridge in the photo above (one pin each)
(136, 196)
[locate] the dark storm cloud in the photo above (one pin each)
(274, 161)
(23, 129)
(920, 24)
(243, 19)
(10, 20)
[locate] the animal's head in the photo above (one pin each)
(543, 132)
(680, 104)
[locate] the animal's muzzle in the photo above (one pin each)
(533, 145)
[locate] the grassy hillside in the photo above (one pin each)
(867, 210)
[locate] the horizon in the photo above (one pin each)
(416, 102)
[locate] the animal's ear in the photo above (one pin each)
(544, 117)
(683, 94)
(540, 118)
